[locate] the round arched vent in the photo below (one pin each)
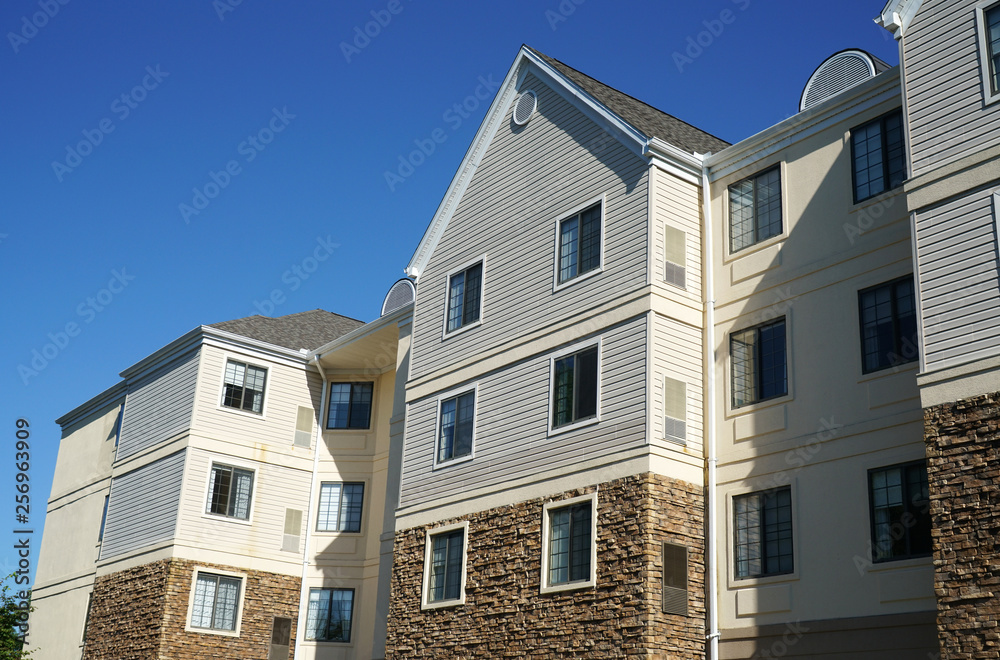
(400, 294)
(838, 73)
(525, 107)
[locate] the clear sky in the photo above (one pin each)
(171, 164)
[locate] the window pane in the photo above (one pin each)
(763, 533)
(204, 601)
(361, 405)
(559, 523)
(993, 37)
(253, 396)
(446, 566)
(318, 614)
(741, 231)
(590, 239)
(233, 388)
(464, 426)
(743, 351)
(473, 285)
(900, 512)
(226, 600)
(341, 615)
(340, 400)
(569, 237)
(888, 325)
(239, 500)
(456, 299)
(562, 405)
(768, 204)
(329, 508)
(221, 484)
(586, 384)
(580, 542)
(446, 440)
(453, 575)
(351, 504)
(773, 377)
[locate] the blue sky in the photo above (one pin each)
(168, 165)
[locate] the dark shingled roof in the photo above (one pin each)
(644, 117)
(307, 330)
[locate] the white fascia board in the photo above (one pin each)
(398, 317)
(897, 15)
(680, 163)
(114, 393)
(526, 60)
(805, 124)
(221, 338)
(177, 347)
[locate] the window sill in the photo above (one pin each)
(764, 580)
(912, 365)
(558, 286)
(878, 199)
(210, 631)
(568, 586)
(441, 604)
(448, 334)
(757, 406)
(331, 533)
(566, 428)
(239, 411)
(898, 564)
(239, 521)
(755, 248)
(451, 461)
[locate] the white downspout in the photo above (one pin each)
(300, 633)
(712, 559)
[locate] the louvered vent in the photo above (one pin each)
(401, 294)
(304, 427)
(525, 107)
(674, 250)
(281, 637)
(838, 73)
(675, 569)
(293, 530)
(674, 410)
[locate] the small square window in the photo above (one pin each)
(878, 156)
(569, 544)
(456, 426)
(759, 365)
(444, 566)
(230, 491)
(340, 507)
(900, 512)
(575, 387)
(330, 614)
(579, 244)
(754, 209)
(465, 294)
(243, 387)
(763, 533)
(350, 406)
(216, 601)
(888, 325)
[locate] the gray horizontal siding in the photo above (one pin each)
(960, 293)
(944, 86)
(159, 406)
(528, 179)
(143, 506)
(512, 422)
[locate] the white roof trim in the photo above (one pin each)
(897, 15)
(526, 60)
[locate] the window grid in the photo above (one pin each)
(229, 494)
(754, 209)
(446, 566)
(464, 293)
(350, 406)
(763, 533)
(330, 615)
(244, 387)
(457, 424)
(900, 512)
(888, 325)
(216, 598)
(569, 543)
(575, 387)
(340, 507)
(878, 156)
(759, 363)
(580, 244)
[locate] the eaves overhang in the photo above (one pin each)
(113, 394)
(897, 15)
(370, 348)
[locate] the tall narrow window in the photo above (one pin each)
(104, 519)
(763, 533)
(230, 491)
(447, 558)
(759, 366)
(456, 426)
(879, 156)
(216, 601)
(580, 244)
(350, 406)
(330, 614)
(754, 209)
(900, 512)
(888, 325)
(340, 507)
(992, 20)
(674, 409)
(244, 387)
(569, 544)
(574, 392)
(464, 297)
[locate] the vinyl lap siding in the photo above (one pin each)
(159, 406)
(512, 422)
(530, 178)
(143, 506)
(677, 203)
(677, 353)
(960, 300)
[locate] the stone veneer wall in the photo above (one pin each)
(963, 469)
(140, 614)
(505, 616)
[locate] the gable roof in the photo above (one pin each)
(648, 120)
(307, 330)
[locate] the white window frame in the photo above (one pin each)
(225, 462)
(445, 333)
(575, 348)
(364, 508)
(989, 96)
(329, 643)
(249, 362)
(556, 284)
(545, 587)
(425, 602)
(444, 396)
(239, 603)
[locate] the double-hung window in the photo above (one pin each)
(575, 387)
(755, 209)
(330, 614)
(216, 601)
(759, 365)
(456, 426)
(900, 512)
(340, 507)
(444, 566)
(888, 324)
(243, 387)
(878, 155)
(763, 533)
(350, 406)
(230, 491)
(579, 244)
(465, 295)
(988, 15)
(568, 544)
